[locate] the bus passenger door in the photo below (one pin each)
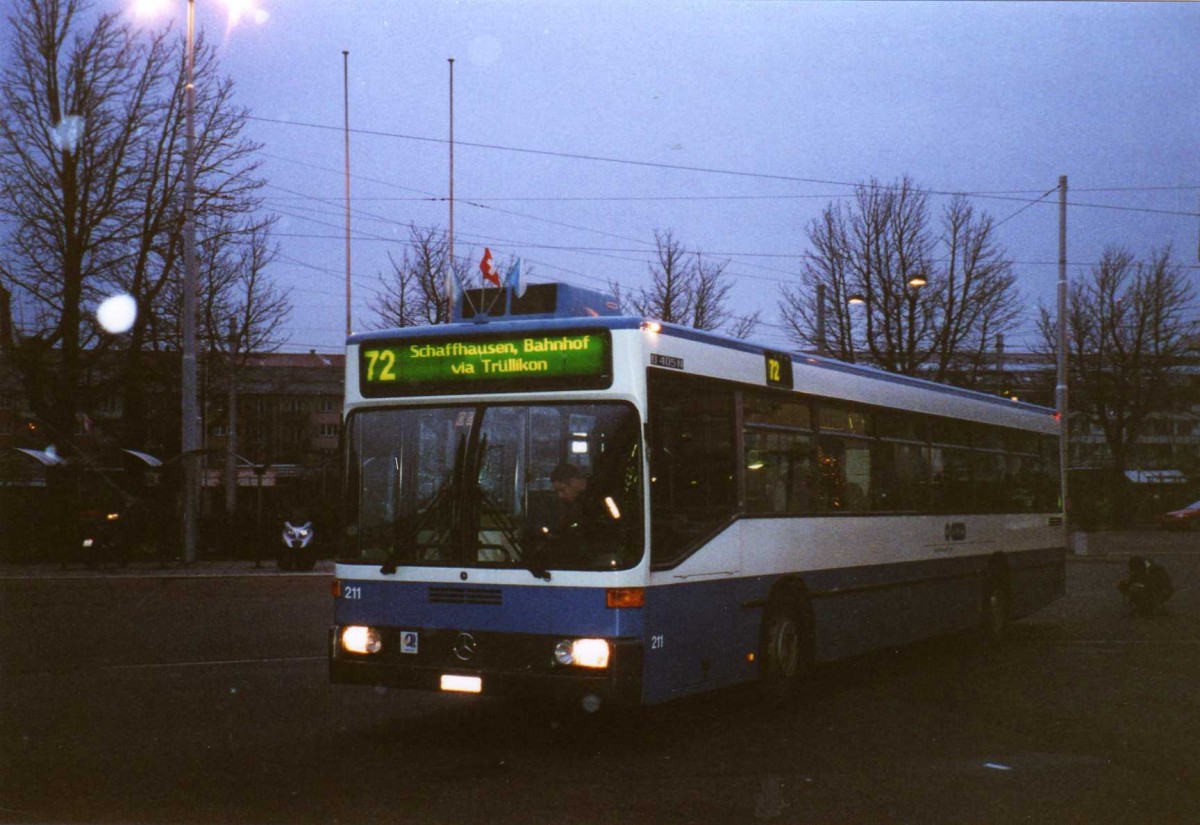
(696, 627)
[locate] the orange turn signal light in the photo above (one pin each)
(626, 597)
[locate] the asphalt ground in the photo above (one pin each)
(199, 693)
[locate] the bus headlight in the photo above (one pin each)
(582, 653)
(358, 639)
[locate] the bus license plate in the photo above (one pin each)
(462, 684)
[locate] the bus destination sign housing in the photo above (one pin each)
(448, 364)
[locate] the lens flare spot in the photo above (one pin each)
(117, 314)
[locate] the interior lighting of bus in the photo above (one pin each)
(531, 360)
(461, 684)
(618, 597)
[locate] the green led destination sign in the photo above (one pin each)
(464, 364)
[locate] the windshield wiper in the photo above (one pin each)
(504, 522)
(439, 515)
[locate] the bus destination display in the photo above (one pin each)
(528, 361)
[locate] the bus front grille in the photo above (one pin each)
(443, 594)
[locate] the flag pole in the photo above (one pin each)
(450, 236)
(346, 110)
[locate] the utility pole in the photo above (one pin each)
(1060, 390)
(346, 131)
(450, 235)
(189, 413)
(232, 422)
(822, 349)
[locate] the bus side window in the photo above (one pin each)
(692, 490)
(844, 458)
(899, 477)
(778, 469)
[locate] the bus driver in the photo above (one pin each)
(580, 524)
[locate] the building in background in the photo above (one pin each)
(288, 427)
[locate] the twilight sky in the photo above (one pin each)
(732, 124)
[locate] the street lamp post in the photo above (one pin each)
(822, 347)
(1060, 389)
(190, 446)
(190, 436)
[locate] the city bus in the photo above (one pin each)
(553, 501)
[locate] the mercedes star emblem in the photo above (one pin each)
(465, 646)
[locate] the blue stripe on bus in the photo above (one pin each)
(700, 635)
(566, 611)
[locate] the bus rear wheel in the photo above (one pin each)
(786, 651)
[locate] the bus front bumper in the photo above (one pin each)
(525, 669)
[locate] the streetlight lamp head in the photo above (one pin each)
(917, 281)
(150, 8)
(856, 300)
(241, 9)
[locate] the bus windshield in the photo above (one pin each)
(537, 486)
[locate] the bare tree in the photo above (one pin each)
(1128, 334)
(689, 289)
(415, 292)
(743, 326)
(91, 159)
(873, 253)
(978, 298)
(72, 102)
(710, 293)
(238, 289)
(829, 264)
(670, 295)
(227, 214)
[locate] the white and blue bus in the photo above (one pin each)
(556, 502)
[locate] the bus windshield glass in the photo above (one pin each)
(536, 486)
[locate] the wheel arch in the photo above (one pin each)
(997, 569)
(791, 590)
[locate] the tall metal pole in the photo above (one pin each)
(450, 237)
(232, 420)
(346, 130)
(190, 437)
(1060, 390)
(822, 349)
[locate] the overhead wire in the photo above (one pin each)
(487, 203)
(998, 195)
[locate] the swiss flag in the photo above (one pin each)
(488, 268)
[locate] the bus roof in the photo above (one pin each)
(491, 326)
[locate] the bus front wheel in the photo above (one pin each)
(786, 650)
